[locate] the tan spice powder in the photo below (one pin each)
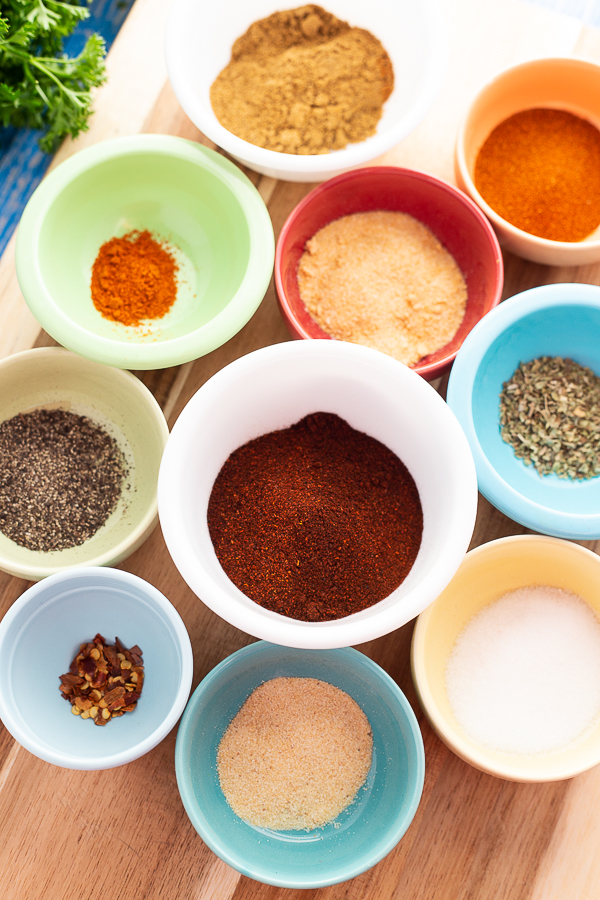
(302, 81)
(382, 279)
(295, 755)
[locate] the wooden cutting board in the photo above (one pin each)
(123, 833)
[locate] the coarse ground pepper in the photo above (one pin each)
(134, 278)
(540, 170)
(61, 476)
(316, 521)
(302, 81)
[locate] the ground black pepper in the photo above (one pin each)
(61, 476)
(316, 521)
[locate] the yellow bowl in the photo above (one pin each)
(486, 574)
(572, 85)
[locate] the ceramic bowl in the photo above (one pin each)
(271, 389)
(44, 628)
(120, 404)
(183, 193)
(363, 833)
(553, 320)
(450, 215)
(568, 84)
(487, 573)
(198, 46)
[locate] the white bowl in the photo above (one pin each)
(271, 389)
(198, 46)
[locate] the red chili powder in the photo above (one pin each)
(316, 521)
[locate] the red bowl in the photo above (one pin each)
(454, 219)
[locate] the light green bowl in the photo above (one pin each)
(183, 193)
(123, 406)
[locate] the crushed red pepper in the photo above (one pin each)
(316, 521)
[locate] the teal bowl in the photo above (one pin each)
(552, 320)
(183, 193)
(363, 833)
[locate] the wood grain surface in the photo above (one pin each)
(123, 834)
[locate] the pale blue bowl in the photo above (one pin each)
(41, 633)
(553, 320)
(365, 832)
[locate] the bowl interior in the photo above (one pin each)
(568, 331)
(180, 202)
(486, 574)
(452, 218)
(364, 832)
(43, 638)
(119, 403)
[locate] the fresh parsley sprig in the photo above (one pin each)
(41, 87)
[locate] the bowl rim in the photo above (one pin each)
(136, 389)
(574, 526)
(163, 353)
(199, 819)
(35, 594)
(272, 626)
(439, 723)
(318, 164)
(503, 224)
(429, 370)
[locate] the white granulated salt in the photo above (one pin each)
(524, 674)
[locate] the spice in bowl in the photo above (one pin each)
(61, 477)
(303, 81)
(134, 278)
(540, 171)
(524, 674)
(295, 755)
(382, 279)
(104, 680)
(316, 521)
(550, 416)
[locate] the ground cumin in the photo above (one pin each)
(540, 170)
(382, 279)
(134, 278)
(303, 81)
(295, 755)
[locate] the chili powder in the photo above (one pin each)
(316, 521)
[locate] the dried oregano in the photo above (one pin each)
(550, 415)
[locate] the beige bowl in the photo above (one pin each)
(567, 84)
(487, 573)
(118, 402)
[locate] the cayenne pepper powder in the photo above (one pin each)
(540, 170)
(134, 278)
(316, 521)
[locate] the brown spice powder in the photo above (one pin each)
(382, 279)
(295, 755)
(302, 81)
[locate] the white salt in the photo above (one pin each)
(524, 674)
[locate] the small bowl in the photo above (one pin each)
(449, 214)
(183, 193)
(552, 320)
(363, 833)
(198, 47)
(487, 573)
(42, 632)
(271, 389)
(118, 402)
(568, 84)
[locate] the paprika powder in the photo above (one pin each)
(316, 521)
(134, 278)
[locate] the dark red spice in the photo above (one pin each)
(316, 521)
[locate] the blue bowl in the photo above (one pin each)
(553, 320)
(363, 833)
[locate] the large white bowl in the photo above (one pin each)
(199, 39)
(271, 389)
